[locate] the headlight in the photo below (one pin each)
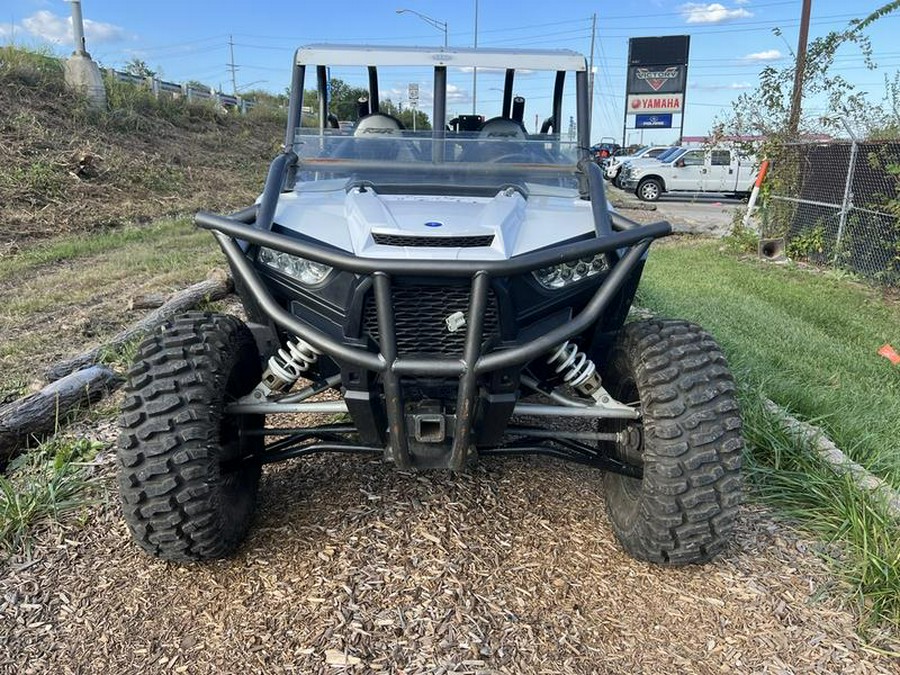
(571, 272)
(305, 271)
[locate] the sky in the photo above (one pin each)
(731, 40)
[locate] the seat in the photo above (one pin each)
(502, 127)
(374, 133)
(377, 123)
(498, 137)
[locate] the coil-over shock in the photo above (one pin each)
(576, 369)
(287, 365)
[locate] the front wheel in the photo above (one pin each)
(688, 441)
(186, 486)
(649, 190)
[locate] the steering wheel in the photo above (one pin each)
(534, 156)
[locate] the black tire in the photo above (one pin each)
(689, 442)
(185, 492)
(649, 190)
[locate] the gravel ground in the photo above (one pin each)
(355, 567)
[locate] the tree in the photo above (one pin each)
(139, 68)
(764, 111)
(196, 84)
(344, 104)
(405, 115)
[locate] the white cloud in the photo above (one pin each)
(714, 12)
(768, 55)
(54, 28)
(8, 30)
(742, 2)
(733, 86)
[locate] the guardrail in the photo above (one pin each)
(189, 91)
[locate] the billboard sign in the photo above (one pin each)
(657, 81)
(661, 79)
(669, 50)
(661, 121)
(654, 103)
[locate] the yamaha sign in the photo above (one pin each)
(655, 103)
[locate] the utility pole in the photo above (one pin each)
(232, 67)
(799, 71)
(591, 71)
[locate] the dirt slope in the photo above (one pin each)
(64, 168)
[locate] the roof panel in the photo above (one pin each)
(371, 55)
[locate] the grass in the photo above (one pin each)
(36, 68)
(808, 341)
(64, 249)
(42, 486)
(788, 474)
(81, 285)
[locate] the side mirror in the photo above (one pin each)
(679, 163)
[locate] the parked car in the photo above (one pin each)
(614, 164)
(719, 170)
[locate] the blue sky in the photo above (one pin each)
(731, 40)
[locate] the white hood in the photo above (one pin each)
(350, 220)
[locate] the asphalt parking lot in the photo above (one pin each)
(709, 214)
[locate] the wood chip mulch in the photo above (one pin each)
(355, 567)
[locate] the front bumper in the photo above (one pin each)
(626, 247)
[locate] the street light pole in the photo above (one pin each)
(474, 69)
(434, 23)
(78, 28)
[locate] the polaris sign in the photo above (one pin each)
(653, 121)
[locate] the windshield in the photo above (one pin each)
(671, 152)
(463, 159)
(376, 126)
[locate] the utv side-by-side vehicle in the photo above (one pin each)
(433, 296)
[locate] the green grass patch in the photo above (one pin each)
(30, 67)
(808, 339)
(132, 238)
(786, 472)
(41, 486)
(78, 288)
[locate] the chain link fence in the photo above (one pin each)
(838, 204)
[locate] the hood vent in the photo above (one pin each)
(433, 242)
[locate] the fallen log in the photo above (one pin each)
(215, 287)
(43, 412)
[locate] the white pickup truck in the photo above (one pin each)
(720, 170)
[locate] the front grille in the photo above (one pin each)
(433, 242)
(419, 315)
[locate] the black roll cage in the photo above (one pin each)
(439, 111)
